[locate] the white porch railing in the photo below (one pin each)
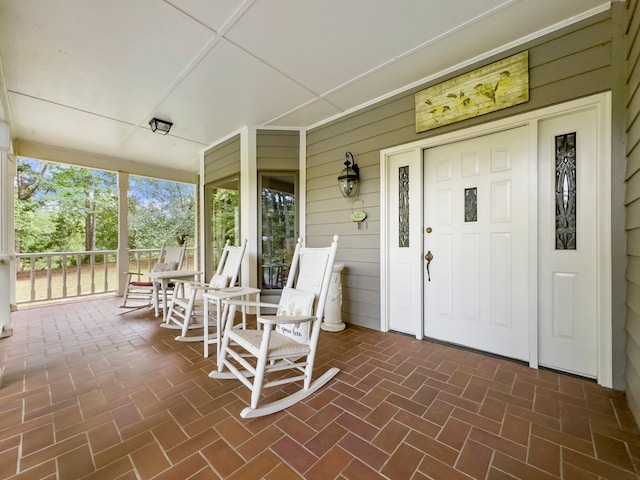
(51, 276)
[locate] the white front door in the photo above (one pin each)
(567, 272)
(476, 228)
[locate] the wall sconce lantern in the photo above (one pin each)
(161, 127)
(349, 178)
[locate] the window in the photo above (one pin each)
(225, 218)
(278, 227)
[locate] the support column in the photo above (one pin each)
(248, 202)
(123, 232)
(7, 234)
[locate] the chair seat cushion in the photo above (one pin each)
(142, 284)
(279, 345)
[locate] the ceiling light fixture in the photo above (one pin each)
(160, 126)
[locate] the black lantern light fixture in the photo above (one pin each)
(160, 126)
(349, 178)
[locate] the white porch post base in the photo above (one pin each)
(332, 321)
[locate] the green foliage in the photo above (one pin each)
(81, 200)
(278, 225)
(225, 216)
(224, 220)
(64, 208)
(30, 182)
(160, 211)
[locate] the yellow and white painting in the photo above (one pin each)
(493, 87)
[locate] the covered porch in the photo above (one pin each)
(90, 393)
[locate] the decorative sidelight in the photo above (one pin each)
(403, 206)
(566, 176)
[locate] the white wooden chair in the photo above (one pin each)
(184, 309)
(288, 340)
(141, 291)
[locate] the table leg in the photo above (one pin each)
(164, 299)
(205, 324)
(155, 298)
(219, 326)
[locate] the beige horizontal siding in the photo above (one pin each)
(632, 192)
(633, 215)
(632, 221)
(277, 150)
(222, 161)
(633, 243)
(565, 65)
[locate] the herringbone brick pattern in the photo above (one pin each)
(88, 393)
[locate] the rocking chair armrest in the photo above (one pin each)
(137, 274)
(208, 288)
(191, 283)
(285, 319)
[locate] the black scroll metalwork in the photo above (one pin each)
(403, 206)
(566, 176)
(471, 204)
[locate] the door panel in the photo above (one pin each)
(568, 292)
(476, 202)
(405, 265)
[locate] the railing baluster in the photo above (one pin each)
(32, 277)
(48, 277)
(36, 293)
(64, 275)
(78, 274)
(92, 263)
(105, 261)
(138, 262)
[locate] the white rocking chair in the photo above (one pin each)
(184, 309)
(140, 291)
(288, 340)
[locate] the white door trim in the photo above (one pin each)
(602, 104)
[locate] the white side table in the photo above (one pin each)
(332, 321)
(162, 280)
(217, 296)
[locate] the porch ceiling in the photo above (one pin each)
(89, 75)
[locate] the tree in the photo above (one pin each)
(83, 199)
(30, 178)
(278, 224)
(66, 208)
(225, 216)
(160, 211)
(29, 184)
(61, 208)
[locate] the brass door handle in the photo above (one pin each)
(428, 257)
